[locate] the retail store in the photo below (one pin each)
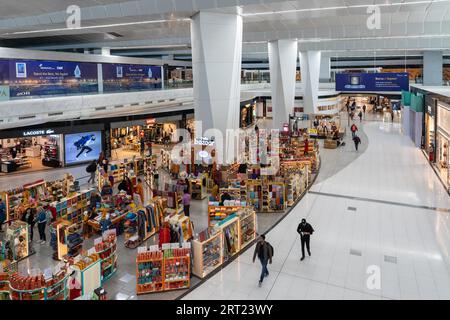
(132, 138)
(430, 128)
(41, 148)
(443, 142)
(248, 113)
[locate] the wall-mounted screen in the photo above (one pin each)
(384, 81)
(130, 77)
(82, 147)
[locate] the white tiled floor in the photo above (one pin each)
(389, 169)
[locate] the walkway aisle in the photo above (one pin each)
(408, 242)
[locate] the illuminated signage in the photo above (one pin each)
(204, 141)
(38, 132)
(150, 121)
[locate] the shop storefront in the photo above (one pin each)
(247, 113)
(35, 149)
(430, 128)
(443, 142)
(129, 138)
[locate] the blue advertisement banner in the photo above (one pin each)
(39, 77)
(130, 77)
(372, 81)
(82, 147)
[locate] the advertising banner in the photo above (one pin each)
(39, 77)
(130, 77)
(82, 147)
(372, 82)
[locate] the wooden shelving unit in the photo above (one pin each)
(163, 270)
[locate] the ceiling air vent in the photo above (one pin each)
(26, 117)
(113, 35)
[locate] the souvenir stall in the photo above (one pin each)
(32, 195)
(142, 224)
(216, 245)
(163, 269)
(36, 285)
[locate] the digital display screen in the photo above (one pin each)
(82, 147)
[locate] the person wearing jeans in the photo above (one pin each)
(42, 222)
(264, 251)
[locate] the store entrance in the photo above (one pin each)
(28, 154)
(357, 103)
(135, 140)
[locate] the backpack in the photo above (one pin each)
(91, 167)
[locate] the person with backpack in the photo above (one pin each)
(264, 251)
(357, 141)
(353, 129)
(305, 230)
(92, 169)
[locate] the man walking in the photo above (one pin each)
(305, 230)
(357, 141)
(92, 169)
(264, 251)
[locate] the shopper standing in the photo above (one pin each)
(357, 141)
(392, 115)
(305, 151)
(305, 230)
(186, 202)
(42, 222)
(264, 251)
(2, 214)
(31, 220)
(140, 190)
(364, 109)
(353, 129)
(360, 116)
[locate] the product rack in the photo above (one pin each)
(198, 187)
(254, 193)
(4, 286)
(219, 213)
(247, 227)
(14, 231)
(56, 291)
(163, 270)
(72, 207)
(230, 237)
(207, 252)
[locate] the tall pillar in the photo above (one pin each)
(325, 69)
(310, 69)
(283, 65)
(432, 68)
(216, 40)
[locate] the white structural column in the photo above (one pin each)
(310, 70)
(283, 65)
(432, 68)
(216, 40)
(325, 68)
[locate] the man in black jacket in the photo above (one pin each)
(305, 230)
(264, 251)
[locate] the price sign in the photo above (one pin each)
(154, 248)
(186, 245)
(142, 249)
(174, 246)
(165, 246)
(91, 251)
